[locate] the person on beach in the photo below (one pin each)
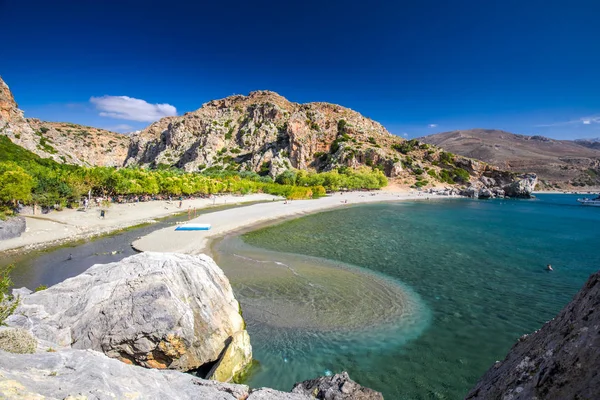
(549, 268)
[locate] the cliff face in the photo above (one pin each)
(559, 361)
(13, 124)
(264, 131)
(63, 142)
(82, 145)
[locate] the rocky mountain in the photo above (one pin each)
(265, 133)
(558, 163)
(591, 143)
(559, 361)
(63, 142)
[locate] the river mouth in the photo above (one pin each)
(294, 291)
(302, 311)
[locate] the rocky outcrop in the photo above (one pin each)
(12, 228)
(86, 374)
(82, 145)
(336, 387)
(62, 142)
(523, 187)
(499, 184)
(559, 361)
(263, 132)
(157, 310)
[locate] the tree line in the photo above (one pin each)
(28, 179)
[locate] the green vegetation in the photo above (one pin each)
(7, 302)
(29, 179)
(407, 146)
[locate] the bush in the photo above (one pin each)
(286, 178)
(407, 146)
(318, 191)
(16, 340)
(7, 302)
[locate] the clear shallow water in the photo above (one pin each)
(474, 270)
(51, 266)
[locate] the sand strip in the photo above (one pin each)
(223, 222)
(69, 225)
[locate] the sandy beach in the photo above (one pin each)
(69, 225)
(223, 222)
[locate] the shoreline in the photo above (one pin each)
(70, 226)
(253, 217)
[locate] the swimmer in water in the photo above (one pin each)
(70, 256)
(549, 267)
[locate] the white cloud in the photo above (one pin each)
(583, 120)
(120, 128)
(129, 108)
(405, 134)
(432, 125)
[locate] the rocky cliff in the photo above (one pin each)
(63, 142)
(81, 145)
(559, 361)
(266, 133)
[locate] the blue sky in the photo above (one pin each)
(418, 67)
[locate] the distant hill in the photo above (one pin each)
(558, 163)
(591, 143)
(62, 142)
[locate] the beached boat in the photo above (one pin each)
(193, 227)
(595, 202)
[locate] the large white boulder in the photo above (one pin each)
(157, 310)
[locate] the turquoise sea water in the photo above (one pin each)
(461, 281)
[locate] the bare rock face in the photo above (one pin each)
(82, 145)
(559, 361)
(336, 387)
(523, 187)
(261, 131)
(63, 142)
(157, 310)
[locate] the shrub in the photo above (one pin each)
(286, 178)
(7, 302)
(318, 191)
(40, 288)
(16, 340)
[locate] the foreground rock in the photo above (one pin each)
(12, 228)
(156, 310)
(559, 361)
(336, 387)
(86, 374)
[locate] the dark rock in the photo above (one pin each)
(559, 361)
(336, 387)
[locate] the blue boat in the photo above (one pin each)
(193, 227)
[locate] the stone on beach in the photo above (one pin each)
(156, 310)
(336, 387)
